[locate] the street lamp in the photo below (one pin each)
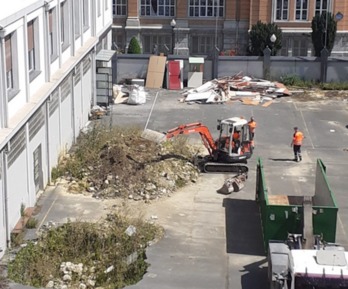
(173, 24)
(273, 39)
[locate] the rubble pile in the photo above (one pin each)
(243, 88)
(136, 169)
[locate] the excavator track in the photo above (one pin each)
(214, 167)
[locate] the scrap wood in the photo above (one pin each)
(267, 103)
(249, 101)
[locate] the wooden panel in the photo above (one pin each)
(278, 200)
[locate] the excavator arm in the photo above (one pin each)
(196, 127)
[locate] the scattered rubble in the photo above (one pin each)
(249, 90)
(97, 112)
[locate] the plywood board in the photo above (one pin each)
(155, 71)
(268, 103)
(278, 200)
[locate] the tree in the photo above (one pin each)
(134, 47)
(260, 35)
(322, 32)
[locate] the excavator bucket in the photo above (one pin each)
(153, 135)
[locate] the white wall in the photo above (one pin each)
(2, 212)
(86, 94)
(17, 194)
(66, 124)
(54, 137)
(78, 107)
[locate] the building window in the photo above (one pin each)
(282, 10)
(299, 47)
(163, 42)
(119, 7)
(33, 53)
(64, 25)
(157, 7)
(52, 31)
(204, 8)
(321, 6)
(301, 9)
(77, 24)
(85, 15)
(203, 44)
(11, 65)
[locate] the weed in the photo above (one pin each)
(31, 223)
(22, 210)
(17, 239)
(98, 245)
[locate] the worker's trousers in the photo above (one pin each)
(297, 153)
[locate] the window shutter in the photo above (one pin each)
(30, 35)
(8, 49)
(50, 21)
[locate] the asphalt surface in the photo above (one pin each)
(211, 240)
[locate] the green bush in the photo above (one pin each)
(260, 35)
(134, 47)
(319, 28)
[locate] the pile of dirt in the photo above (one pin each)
(124, 165)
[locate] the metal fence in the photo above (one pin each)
(323, 69)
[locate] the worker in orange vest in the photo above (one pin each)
(296, 143)
(252, 126)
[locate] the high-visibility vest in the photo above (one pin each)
(252, 126)
(298, 137)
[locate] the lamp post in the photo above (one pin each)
(273, 39)
(173, 24)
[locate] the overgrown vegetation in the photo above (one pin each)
(118, 162)
(31, 223)
(110, 257)
(296, 81)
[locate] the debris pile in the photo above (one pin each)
(97, 112)
(243, 88)
(129, 94)
(129, 166)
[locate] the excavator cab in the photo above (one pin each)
(233, 144)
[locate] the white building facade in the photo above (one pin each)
(48, 55)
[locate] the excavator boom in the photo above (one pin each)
(196, 127)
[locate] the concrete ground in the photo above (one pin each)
(211, 240)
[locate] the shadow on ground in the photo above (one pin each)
(282, 160)
(243, 227)
(256, 275)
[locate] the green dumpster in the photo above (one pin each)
(282, 214)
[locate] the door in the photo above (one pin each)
(38, 175)
(174, 71)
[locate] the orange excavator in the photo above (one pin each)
(229, 152)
